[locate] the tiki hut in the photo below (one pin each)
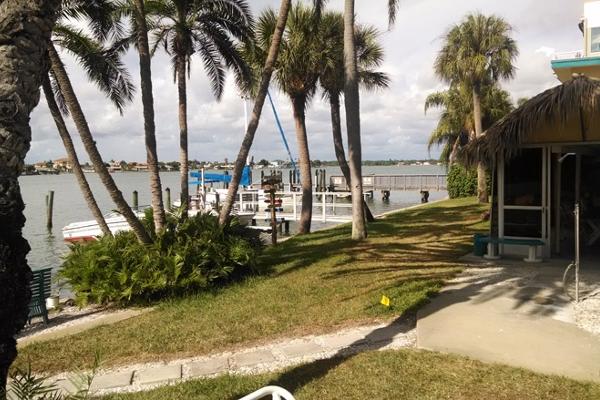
(546, 158)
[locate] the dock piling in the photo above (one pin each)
(168, 196)
(135, 200)
(49, 208)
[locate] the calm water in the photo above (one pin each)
(69, 205)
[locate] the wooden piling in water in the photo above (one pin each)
(135, 200)
(168, 196)
(49, 208)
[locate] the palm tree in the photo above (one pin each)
(95, 60)
(352, 105)
(149, 127)
(477, 51)
(296, 73)
(22, 62)
(65, 136)
(134, 14)
(210, 28)
(259, 100)
(369, 54)
(455, 126)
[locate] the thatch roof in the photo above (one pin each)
(579, 97)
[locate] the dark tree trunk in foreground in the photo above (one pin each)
(158, 208)
(259, 101)
(352, 103)
(299, 105)
(63, 132)
(183, 135)
(25, 27)
(90, 146)
(481, 174)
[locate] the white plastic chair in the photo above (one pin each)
(276, 392)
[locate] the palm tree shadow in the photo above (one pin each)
(296, 378)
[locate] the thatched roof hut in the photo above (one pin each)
(568, 113)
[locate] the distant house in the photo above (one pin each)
(62, 164)
(115, 167)
(140, 167)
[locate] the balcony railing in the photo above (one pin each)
(569, 55)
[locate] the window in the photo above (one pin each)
(523, 179)
(595, 40)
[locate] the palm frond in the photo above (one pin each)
(103, 66)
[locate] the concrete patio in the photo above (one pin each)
(514, 313)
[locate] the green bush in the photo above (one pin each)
(187, 256)
(462, 182)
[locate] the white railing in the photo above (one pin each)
(276, 393)
(569, 55)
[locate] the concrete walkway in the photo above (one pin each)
(515, 314)
(275, 356)
(78, 324)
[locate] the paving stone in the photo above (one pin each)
(158, 374)
(301, 349)
(111, 381)
(208, 367)
(345, 340)
(253, 358)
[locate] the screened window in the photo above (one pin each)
(523, 179)
(595, 40)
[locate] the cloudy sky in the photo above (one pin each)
(393, 122)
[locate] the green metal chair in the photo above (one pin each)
(41, 286)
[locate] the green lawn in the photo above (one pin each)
(318, 283)
(407, 374)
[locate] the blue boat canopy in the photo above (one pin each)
(216, 178)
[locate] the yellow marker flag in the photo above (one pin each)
(385, 300)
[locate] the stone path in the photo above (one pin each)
(79, 323)
(265, 358)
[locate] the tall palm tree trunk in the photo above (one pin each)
(336, 129)
(90, 145)
(25, 27)
(158, 208)
(259, 101)
(63, 132)
(481, 174)
(352, 102)
(183, 135)
(299, 106)
(338, 145)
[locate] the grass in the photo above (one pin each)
(407, 374)
(318, 283)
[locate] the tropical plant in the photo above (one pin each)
(97, 14)
(352, 105)
(26, 28)
(370, 56)
(476, 52)
(259, 100)
(296, 73)
(65, 136)
(210, 28)
(143, 49)
(105, 68)
(456, 124)
(132, 21)
(192, 254)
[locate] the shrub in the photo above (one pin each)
(188, 256)
(462, 182)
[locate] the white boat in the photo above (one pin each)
(90, 230)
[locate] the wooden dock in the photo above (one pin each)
(394, 182)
